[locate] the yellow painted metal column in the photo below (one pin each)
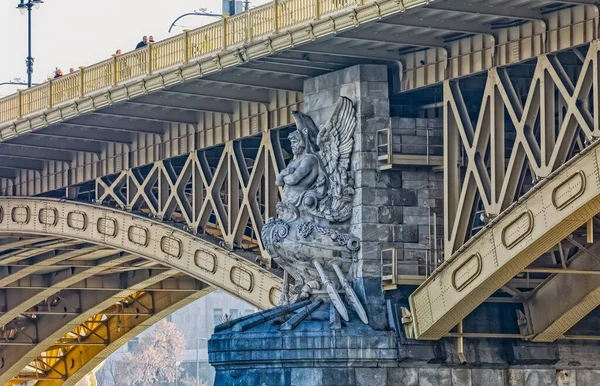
(81, 81)
(150, 63)
(115, 66)
(224, 31)
(50, 92)
(20, 103)
(186, 47)
(275, 16)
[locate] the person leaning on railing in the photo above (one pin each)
(143, 43)
(142, 63)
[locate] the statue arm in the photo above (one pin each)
(279, 181)
(297, 175)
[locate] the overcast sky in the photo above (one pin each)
(72, 33)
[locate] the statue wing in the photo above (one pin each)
(336, 142)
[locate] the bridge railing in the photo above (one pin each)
(408, 265)
(420, 147)
(203, 42)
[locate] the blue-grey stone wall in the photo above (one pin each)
(412, 376)
(367, 87)
(392, 209)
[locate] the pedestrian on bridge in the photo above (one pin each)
(143, 43)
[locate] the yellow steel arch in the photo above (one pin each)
(151, 239)
(102, 338)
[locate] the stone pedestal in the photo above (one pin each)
(319, 351)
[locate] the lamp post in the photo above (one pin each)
(195, 13)
(198, 360)
(16, 83)
(25, 6)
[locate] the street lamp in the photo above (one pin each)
(201, 12)
(198, 360)
(177, 363)
(25, 6)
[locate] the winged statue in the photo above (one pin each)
(310, 238)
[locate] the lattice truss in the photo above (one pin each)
(84, 347)
(531, 119)
(227, 191)
(65, 305)
(55, 363)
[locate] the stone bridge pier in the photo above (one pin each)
(390, 209)
(396, 208)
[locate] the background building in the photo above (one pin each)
(196, 321)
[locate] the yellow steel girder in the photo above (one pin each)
(556, 207)
(142, 237)
(73, 362)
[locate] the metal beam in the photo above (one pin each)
(438, 24)
(350, 52)
(21, 300)
(104, 124)
(324, 59)
(220, 92)
(258, 293)
(21, 164)
(523, 232)
(77, 134)
(326, 67)
(48, 328)
(232, 77)
(571, 297)
(195, 104)
(44, 248)
(16, 273)
(115, 332)
(486, 9)
(282, 69)
(152, 115)
(388, 37)
(577, 2)
(8, 173)
(25, 242)
(65, 145)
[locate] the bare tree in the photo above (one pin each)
(109, 373)
(157, 357)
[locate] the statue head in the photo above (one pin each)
(297, 143)
(306, 133)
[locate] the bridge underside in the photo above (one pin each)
(68, 304)
(197, 145)
(80, 280)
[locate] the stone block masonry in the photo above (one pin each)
(391, 208)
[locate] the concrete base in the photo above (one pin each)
(264, 350)
(316, 352)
